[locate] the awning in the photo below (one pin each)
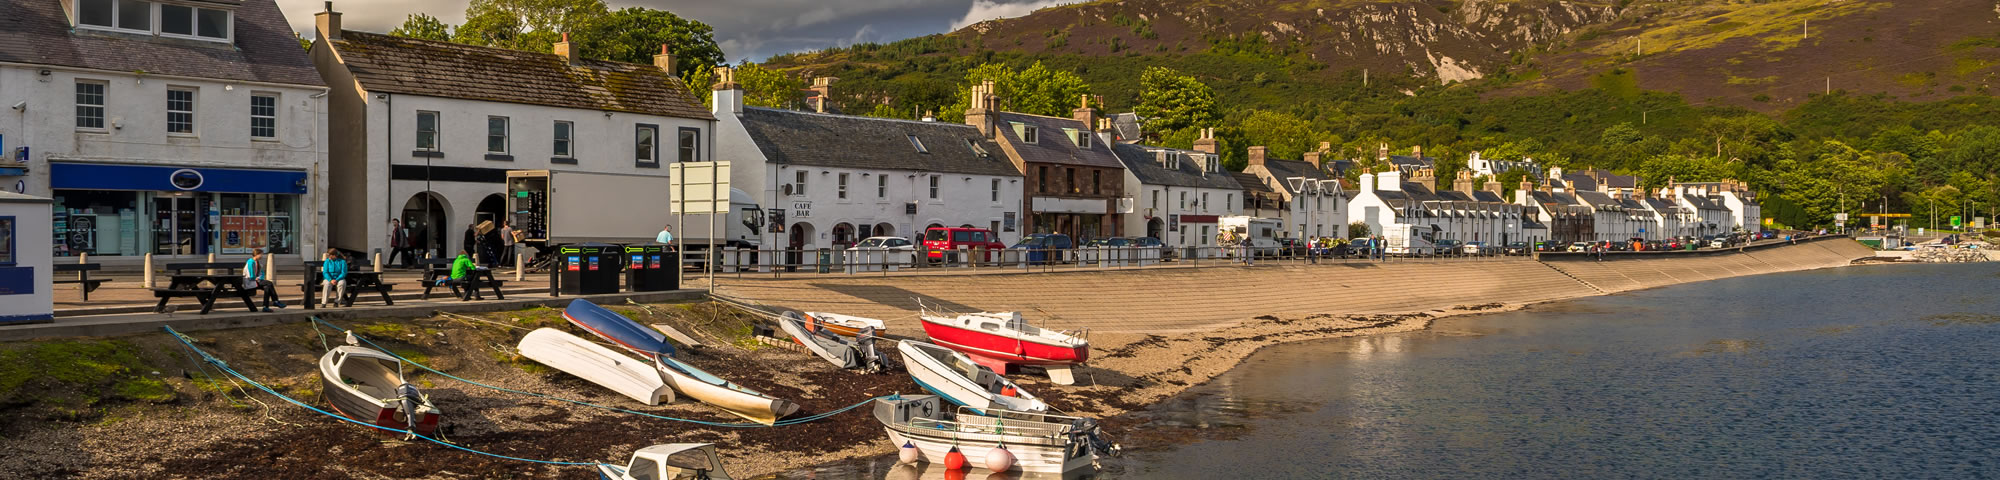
(103, 176)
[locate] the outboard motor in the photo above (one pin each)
(1087, 431)
(412, 398)
(872, 360)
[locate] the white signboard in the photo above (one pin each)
(699, 187)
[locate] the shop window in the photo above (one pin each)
(264, 116)
(180, 111)
(7, 241)
(99, 222)
(90, 105)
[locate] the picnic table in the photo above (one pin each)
(82, 271)
(440, 269)
(356, 282)
(204, 287)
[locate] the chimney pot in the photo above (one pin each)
(562, 49)
(665, 61)
(1206, 144)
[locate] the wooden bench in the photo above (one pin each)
(358, 279)
(82, 276)
(181, 284)
(438, 268)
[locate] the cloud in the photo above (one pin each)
(983, 10)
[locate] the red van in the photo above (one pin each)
(939, 239)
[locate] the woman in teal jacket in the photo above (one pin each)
(333, 278)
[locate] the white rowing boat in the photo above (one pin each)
(594, 363)
(959, 380)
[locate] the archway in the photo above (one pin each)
(426, 214)
(493, 207)
(843, 236)
(884, 230)
(1156, 228)
(801, 238)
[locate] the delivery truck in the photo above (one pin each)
(553, 207)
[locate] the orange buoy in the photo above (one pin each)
(1009, 391)
(953, 460)
(999, 459)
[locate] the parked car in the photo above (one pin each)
(885, 243)
(1447, 246)
(1515, 248)
(943, 239)
(1475, 248)
(1044, 248)
(1291, 247)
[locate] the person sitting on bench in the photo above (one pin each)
(333, 278)
(253, 280)
(461, 269)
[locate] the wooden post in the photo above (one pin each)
(146, 272)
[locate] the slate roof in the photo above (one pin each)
(1597, 199)
(826, 140)
(383, 63)
(1050, 146)
(1282, 170)
(1529, 223)
(1486, 196)
(38, 32)
(1704, 203)
(1580, 181)
(1143, 162)
(1127, 127)
(1251, 182)
(1660, 204)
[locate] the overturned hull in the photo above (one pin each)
(594, 363)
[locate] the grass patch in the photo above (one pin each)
(73, 375)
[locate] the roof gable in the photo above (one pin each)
(38, 32)
(384, 63)
(1143, 162)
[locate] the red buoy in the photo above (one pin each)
(953, 460)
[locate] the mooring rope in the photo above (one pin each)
(781, 423)
(224, 367)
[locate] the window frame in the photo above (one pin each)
(193, 111)
(881, 186)
(562, 141)
(436, 133)
(799, 178)
(156, 21)
(276, 98)
(996, 191)
(1030, 134)
(638, 146)
(103, 96)
(934, 186)
(840, 187)
(919, 143)
(1083, 139)
(687, 144)
(505, 136)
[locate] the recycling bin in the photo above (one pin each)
(651, 268)
(588, 268)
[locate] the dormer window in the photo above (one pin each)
(1173, 161)
(149, 18)
(1214, 163)
(1029, 134)
(1083, 139)
(976, 149)
(915, 142)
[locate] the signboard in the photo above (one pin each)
(699, 187)
(802, 209)
(1955, 221)
(777, 220)
(1007, 222)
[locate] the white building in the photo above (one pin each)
(1491, 168)
(1314, 206)
(1391, 213)
(833, 180)
(1181, 195)
(1736, 198)
(429, 130)
(173, 128)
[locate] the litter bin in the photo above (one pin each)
(825, 261)
(651, 268)
(588, 268)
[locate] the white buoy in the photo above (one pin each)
(909, 453)
(999, 459)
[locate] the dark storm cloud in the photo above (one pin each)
(746, 29)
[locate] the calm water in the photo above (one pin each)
(1864, 372)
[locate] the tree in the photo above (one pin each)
(1037, 90)
(764, 87)
(634, 35)
(1358, 230)
(423, 27)
(528, 25)
(1282, 134)
(1172, 101)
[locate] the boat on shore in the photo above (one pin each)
(846, 325)
(959, 380)
(673, 461)
(1038, 442)
(857, 352)
(686, 379)
(1003, 340)
(594, 363)
(367, 385)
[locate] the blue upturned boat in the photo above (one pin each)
(644, 341)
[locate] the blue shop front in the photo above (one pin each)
(126, 209)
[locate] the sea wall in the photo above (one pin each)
(1180, 300)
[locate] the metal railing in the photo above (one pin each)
(742, 263)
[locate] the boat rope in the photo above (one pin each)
(224, 367)
(780, 423)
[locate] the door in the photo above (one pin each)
(177, 227)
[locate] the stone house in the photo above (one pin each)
(1072, 183)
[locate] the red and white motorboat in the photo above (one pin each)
(1002, 340)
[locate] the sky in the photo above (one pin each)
(746, 29)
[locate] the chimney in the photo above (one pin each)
(1382, 152)
(1313, 158)
(1417, 151)
(1257, 156)
(1085, 114)
(562, 49)
(327, 24)
(665, 61)
(982, 102)
(1463, 184)
(822, 88)
(727, 97)
(1367, 179)
(1493, 185)
(1425, 177)
(930, 116)
(1206, 144)
(1390, 180)
(1521, 194)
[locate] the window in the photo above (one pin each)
(7, 241)
(176, 20)
(1183, 203)
(881, 186)
(263, 116)
(563, 133)
(1083, 139)
(1028, 133)
(1070, 173)
(646, 145)
(842, 186)
(180, 111)
(934, 186)
(135, 15)
(1228, 200)
(496, 135)
(996, 190)
(95, 12)
(915, 142)
(976, 149)
(1173, 161)
(89, 105)
(1156, 199)
(690, 146)
(1041, 179)
(211, 23)
(1096, 182)
(427, 131)
(799, 185)
(1204, 201)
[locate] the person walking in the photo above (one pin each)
(489, 244)
(400, 244)
(666, 236)
(333, 279)
(253, 280)
(508, 237)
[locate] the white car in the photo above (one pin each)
(885, 243)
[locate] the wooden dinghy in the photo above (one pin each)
(368, 385)
(844, 352)
(959, 380)
(684, 378)
(573, 355)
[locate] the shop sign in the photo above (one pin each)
(802, 209)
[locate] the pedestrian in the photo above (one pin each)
(489, 244)
(666, 236)
(461, 267)
(333, 278)
(253, 280)
(471, 241)
(400, 244)
(508, 237)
